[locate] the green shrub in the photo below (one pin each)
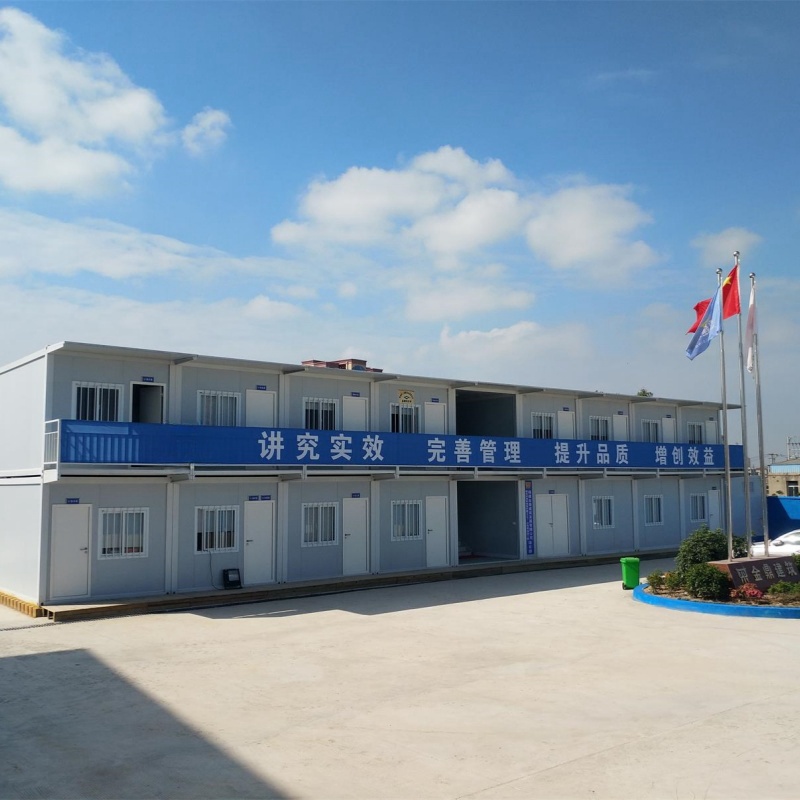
(785, 591)
(707, 582)
(656, 580)
(706, 545)
(782, 587)
(673, 581)
(739, 547)
(700, 547)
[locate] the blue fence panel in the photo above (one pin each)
(140, 443)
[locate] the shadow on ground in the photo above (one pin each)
(74, 728)
(405, 597)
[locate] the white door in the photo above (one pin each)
(566, 425)
(436, 531)
(69, 566)
(355, 525)
(711, 432)
(435, 417)
(354, 413)
(552, 530)
(259, 410)
(259, 542)
(714, 516)
(668, 429)
(619, 423)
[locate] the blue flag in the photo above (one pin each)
(710, 325)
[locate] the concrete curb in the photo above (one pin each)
(707, 607)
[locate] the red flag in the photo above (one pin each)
(730, 300)
(700, 310)
(730, 294)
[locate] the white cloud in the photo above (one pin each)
(455, 164)
(348, 289)
(589, 228)
(447, 210)
(623, 76)
(71, 314)
(30, 244)
(457, 299)
(507, 346)
(73, 122)
(717, 249)
(206, 132)
(362, 206)
(263, 308)
(57, 166)
(480, 219)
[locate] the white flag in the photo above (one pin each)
(750, 330)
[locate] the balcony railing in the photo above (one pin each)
(144, 444)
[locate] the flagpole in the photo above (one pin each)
(759, 420)
(728, 499)
(748, 521)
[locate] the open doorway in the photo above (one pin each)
(488, 521)
(147, 402)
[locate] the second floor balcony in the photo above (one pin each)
(139, 444)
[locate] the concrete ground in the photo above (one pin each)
(533, 685)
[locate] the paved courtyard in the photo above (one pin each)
(533, 685)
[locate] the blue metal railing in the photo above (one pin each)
(83, 442)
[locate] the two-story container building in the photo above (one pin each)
(129, 472)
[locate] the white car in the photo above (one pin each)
(786, 544)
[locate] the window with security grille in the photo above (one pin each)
(697, 508)
(603, 512)
(215, 529)
(653, 509)
(218, 408)
(406, 516)
(792, 489)
(695, 432)
(320, 414)
(123, 532)
(405, 418)
(101, 402)
(599, 428)
(319, 524)
(651, 430)
(542, 425)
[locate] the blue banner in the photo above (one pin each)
(139, 443)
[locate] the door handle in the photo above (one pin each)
(248, 541)
(347, 536)
(84, 549)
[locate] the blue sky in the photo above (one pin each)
(530, 193)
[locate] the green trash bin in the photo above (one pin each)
(630, 572)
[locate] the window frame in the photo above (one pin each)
(543, 416)
(312, 513)
(97, 387)
(605, 504)
(105, 551)
(216, 535)
(317, 405)
(653, 509)
(218, 411)
(651, 431)
(692, 430)
(599, 422)
(401, 515)
(694, 500)
(398, 417)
